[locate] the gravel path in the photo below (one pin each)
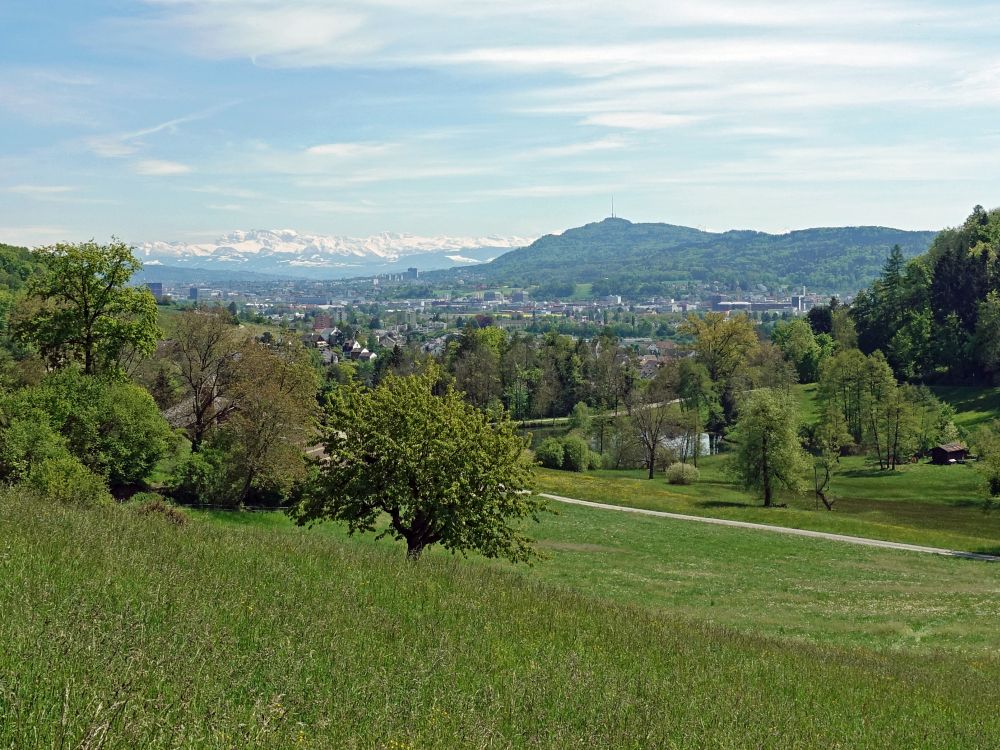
(779, 529)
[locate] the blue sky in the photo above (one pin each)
(184, 119)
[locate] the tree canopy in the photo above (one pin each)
(80, 308)
(443, 471)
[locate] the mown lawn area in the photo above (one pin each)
(918, 503)
(124, 631)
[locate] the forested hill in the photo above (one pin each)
(619, 256)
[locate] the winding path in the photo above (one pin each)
(863, 541)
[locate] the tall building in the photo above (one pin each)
(193, 293)
(412, 273)
(156, 288)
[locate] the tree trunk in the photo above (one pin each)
(413, 549)
(766, 473)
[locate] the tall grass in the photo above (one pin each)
(120, 630)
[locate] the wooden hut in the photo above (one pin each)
(949, 453)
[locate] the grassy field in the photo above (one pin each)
(974, 406)
(919, 503)
(123, 631)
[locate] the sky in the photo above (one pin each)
(181, 120)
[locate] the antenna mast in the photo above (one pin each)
(612, 206)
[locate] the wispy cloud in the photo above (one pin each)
(350, 150)
(641, 120)
(127, 144)
(160, 168)
(36, 191)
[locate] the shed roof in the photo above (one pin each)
(952, 447)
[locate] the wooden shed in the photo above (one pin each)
(949, 453)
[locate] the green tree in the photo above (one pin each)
(580, 418)
(81, 309)
(987, 337)
(768, 453)
(442, 471)
(113, 428)
(265, 437)
(802, 347)
(830, 439)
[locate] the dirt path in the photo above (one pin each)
(863, 541)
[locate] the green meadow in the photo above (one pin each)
(241, 630)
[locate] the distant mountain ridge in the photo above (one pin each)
(286, 252)
(617, 256)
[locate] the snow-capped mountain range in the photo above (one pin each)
(288, 253)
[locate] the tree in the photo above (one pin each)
(443, 471)
(112, 427)
(987, 338)
(81, 309)
(580, 418)
(721, 343)
(802, 347)
(831, 437)
(204, 348)
(987, 444)
(266, 435)
(698, 399)
(768, 452)
(650, 420)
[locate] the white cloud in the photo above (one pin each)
(349, 150)
(40, 191)
(31, 236)
(641, 120)
(576, 149)
(161, 168)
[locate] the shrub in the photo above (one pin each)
(114, 428)
(199, 478)
(550, 453)
(152, 504)
(26, 442)
(580, 418)
(576, 454)
(682, 474)
(596, 460)
(66, 480)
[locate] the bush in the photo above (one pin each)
(114, 428)
(576, 454)
(682, 474)
(550, 453)
(580, 418)
(596, 460)
(200, 478)
(26, 442)
(66, 480)
(152, 504)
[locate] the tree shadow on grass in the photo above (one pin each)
(991, 550)
(722, 504)
(871, 472)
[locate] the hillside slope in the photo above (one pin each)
(123, 631)
(616, 253)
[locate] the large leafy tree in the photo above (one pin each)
(204, 349)
(80, 308)
(112, 427)
(268, 432)
(768, 453)
(441, 470)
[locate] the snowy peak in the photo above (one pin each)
(287, 251)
